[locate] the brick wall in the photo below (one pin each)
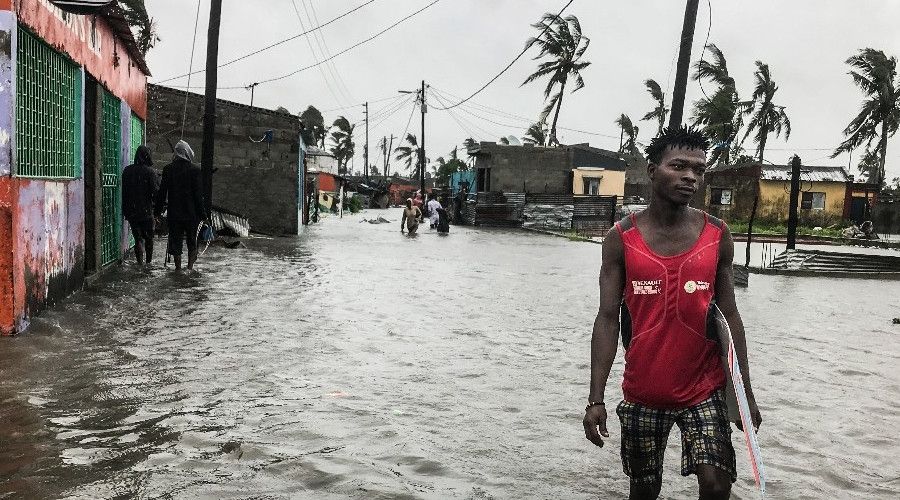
(255, 179)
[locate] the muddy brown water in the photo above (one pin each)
(354, 362)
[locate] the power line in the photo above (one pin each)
(527, 46)
(357, 105)
(348, 49)
(190, 68)
(312, 51)
(280, 42)
(321, 36)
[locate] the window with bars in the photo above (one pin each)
(48, 111)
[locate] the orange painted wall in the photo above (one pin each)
(327, 182)
(126, 80)
(8, 196)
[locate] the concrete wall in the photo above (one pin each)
(774, 199)
(537, 169)
(257, 179)
(612, 182)
(42, 221)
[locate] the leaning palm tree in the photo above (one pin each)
(875, 73)
(765, 116)
(314, 130)
(536, 134)
(135, 13)
(409, 155)
(660, 112)
(343, 146)
(562, 41)
(628, 138)
(718, 114)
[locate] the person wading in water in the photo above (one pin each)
(411, 216)
(660, 270)
(181, 193)
(139, 183)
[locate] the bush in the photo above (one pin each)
(354, 204)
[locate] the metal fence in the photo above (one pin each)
(137, 135)
(111, 200)
(594, 215)
(48, 114)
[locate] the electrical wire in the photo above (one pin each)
(280, 42)
(342, 86)
(348, 49)
(316, 56)
(492, 80)
(190, 68)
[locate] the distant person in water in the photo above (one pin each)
(433, 206)
(139, 185)
(661, 270)
(411, 216)
(181, 193)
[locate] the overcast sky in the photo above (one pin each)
(458, 45)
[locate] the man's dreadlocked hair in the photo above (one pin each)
(675, 137)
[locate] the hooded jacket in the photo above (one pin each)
(139, 185)
(181, 189)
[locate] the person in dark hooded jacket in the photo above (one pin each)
(181, 194)
(139, 185)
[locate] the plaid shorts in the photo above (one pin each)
(705, 438)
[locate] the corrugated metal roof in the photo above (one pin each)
(807, 173)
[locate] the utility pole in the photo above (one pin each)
(684, 63)
(794, 198)
(366, 150)
(209, 108)
(387, 155)
(252, 89)
(422, 144)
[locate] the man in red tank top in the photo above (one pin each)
(660, 272)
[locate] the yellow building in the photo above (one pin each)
(598, 181)
(730, 191)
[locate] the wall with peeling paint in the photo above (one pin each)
(42, 221)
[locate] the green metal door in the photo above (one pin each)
(111, 202)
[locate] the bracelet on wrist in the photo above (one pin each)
(594, 403)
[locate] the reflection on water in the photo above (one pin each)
(356, 362)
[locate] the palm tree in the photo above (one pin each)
(536, 134)
(660, 112)
(386, 153)
(314, 129)
(409, 154)
(628, 139)
(765, 116)
(561, 39)
(343, 146)
(718, 115)
(135, 13)
(875, 73)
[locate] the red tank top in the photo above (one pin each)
(669, 360)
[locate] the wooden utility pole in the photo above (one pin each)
(422, 144)
(684, 63)
(209, 109)
(252, 88)
(794, 198)
(366, 150)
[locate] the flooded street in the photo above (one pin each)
(356, 362)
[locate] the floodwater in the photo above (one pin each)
(355, 362)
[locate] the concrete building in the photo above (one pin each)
(72, 112)
(258, 155)
(538, 169)
(598, 181)
(729, 192)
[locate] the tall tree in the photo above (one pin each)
(386, 147)
(765, 117)
(342, 146)
(144, 26)
(660, 112)
(876, 75)
(629, 133)
(718, 114)
(536, 134)
(409, 155)
(562, 41)
(314, 126)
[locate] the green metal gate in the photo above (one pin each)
(48, 113)
(111, 202)
(137, 135)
